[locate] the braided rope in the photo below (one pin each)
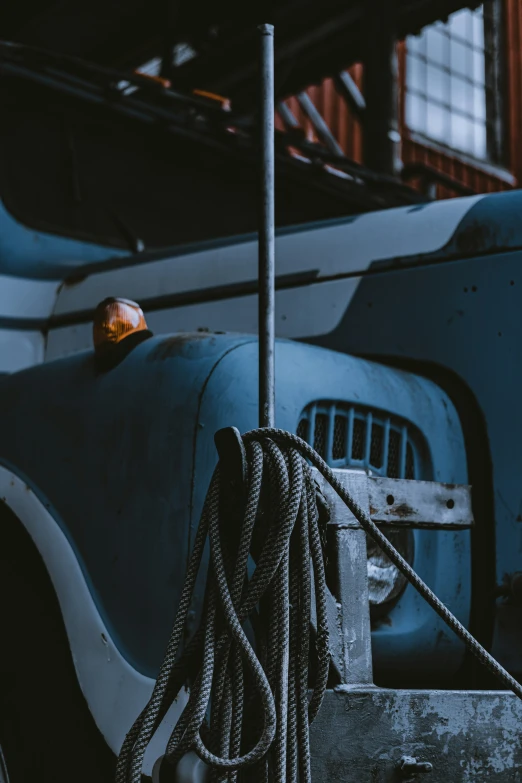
(259, 707)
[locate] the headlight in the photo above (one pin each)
(385, 581)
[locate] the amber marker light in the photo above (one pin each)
(156, 79)
(211, 96)
(116, 320)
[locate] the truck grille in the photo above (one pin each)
(356, 437)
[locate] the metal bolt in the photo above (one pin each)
(409, 765)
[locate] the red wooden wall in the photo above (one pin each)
(513, 46)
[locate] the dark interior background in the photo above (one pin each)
(313, 40)
(78, 169)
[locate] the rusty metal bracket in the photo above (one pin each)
(400, 503)
(390, 503)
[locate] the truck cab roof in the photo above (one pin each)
(406, 236)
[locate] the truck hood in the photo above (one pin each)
(123, 459)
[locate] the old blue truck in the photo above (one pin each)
(398, 348)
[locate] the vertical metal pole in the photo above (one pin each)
(266, 272)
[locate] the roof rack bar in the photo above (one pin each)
(347, 89)
(290, 121)
(319, 125)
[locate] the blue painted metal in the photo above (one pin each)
(124, 458)
(491, 225)
(35, 254)
(464, 316)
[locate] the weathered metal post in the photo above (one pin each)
(266, 272)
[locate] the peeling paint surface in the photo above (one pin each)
(468, 737)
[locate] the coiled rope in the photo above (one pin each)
(248, 714)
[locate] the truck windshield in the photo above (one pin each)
(136, 170)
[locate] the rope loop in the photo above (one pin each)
(253, 647)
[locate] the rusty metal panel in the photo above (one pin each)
(466, 736)
(420, 504)
(398, 503)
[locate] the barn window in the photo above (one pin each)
(452, 82)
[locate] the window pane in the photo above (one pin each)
(415, 74)
(437, 44)
(438, 123)
(460, 23)
(479, 103)
(480, 141)
(417, 43)
(462, 98)
(479, 67)
(460, 92)
(462, 137)
(466, 107)
(416, 111)
(445, 82)
(460, 62)
(478, 29)
(438, 83)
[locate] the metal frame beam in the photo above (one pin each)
(319, 125)
(381, 137)
(347, 89)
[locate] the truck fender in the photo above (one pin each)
(114, 690)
